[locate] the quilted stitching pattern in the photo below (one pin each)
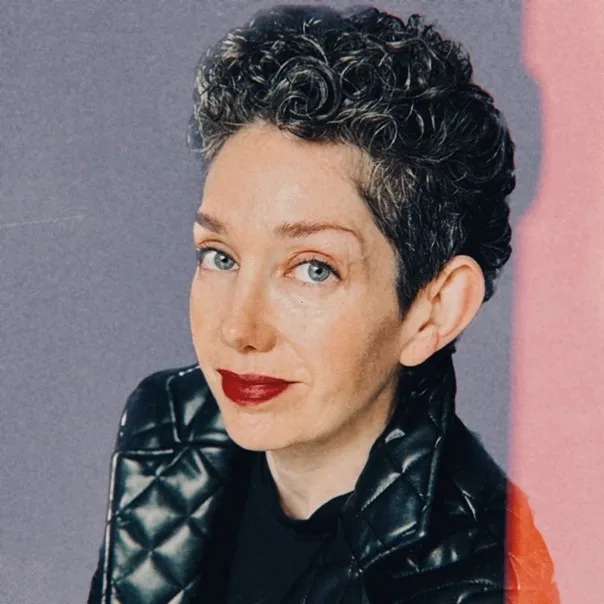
(158, 528)
(162, 508)
(166, 483)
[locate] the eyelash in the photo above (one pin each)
(201, 251)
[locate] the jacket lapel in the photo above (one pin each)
(168, 537)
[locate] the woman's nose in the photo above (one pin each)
(246, 323)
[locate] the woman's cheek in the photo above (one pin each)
(198, 312)
(339, 337)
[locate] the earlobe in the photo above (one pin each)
(421, 346)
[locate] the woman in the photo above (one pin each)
(354, 218)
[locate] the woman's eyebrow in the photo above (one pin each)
(210, 223)
(294, 230)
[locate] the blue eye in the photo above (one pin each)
(220, 262)
(317, 271)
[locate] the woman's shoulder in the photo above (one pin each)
(166, 408)
(483, 542)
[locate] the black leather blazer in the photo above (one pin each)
(425, 523)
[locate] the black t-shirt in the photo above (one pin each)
(271, 549)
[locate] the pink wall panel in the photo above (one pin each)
(557, 419)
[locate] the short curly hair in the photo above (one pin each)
(441, 159)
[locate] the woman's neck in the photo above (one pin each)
(308, 475)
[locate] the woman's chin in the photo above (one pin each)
(252, 443)
(255, 438)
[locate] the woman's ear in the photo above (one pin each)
(442, 310)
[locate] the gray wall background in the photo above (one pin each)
(97, 198)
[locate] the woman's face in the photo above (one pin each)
(314, 306)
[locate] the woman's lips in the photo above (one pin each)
(251, 389)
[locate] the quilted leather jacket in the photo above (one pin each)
(425, 523)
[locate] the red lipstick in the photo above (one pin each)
(251, 389)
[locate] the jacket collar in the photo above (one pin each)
(390, 506)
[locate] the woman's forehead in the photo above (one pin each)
(261, 170)
(259, 149)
